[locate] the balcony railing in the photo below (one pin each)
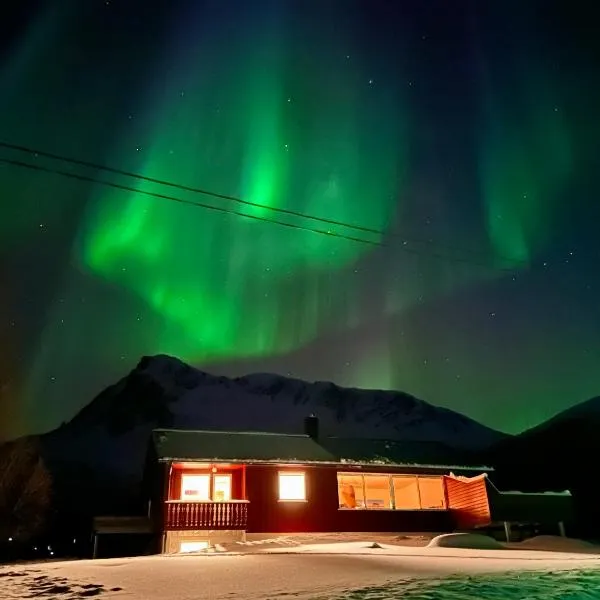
(206, 515)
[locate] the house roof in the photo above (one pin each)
(540, 507)
(238, 446)
(260, 447)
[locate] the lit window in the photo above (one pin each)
(406, 492)
(193, 546)
(431, 492)
(195, 487)
(222, 488)
(385, 491)
(378, 493)
(292, 486)
(351, 490)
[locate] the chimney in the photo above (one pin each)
(311, 427)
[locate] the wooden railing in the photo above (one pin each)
(206, 515)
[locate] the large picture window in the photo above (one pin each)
(386, 491)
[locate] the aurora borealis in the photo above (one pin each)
(465, 138)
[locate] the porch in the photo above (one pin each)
(205, 514)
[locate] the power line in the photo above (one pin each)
(223, 210)
(275, 209)
(126, 188)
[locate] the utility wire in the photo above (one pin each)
(276, 209)
(126, 188)
(85, 178)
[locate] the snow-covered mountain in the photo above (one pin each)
(107, 441)
(163, 391)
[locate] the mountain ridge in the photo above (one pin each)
(158, 384)
(104, 446)
(101, 452)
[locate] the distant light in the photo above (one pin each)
(10, 539)
(74, 540)
(51, 553)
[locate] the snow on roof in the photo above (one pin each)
(518, 493)
(563, 493)
(253, 446)
(238, 445)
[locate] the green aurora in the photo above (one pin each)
(247, 273)
(298, 111)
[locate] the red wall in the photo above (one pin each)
(468, 501)
(320, 513)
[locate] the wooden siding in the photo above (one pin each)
(468, 502)
(320, 512)
(265, 513)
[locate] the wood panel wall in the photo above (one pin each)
(468, 501)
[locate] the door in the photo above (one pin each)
(222, 488)
(206, 487)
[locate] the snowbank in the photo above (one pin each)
(352, 570)
(559, 544)
(472, 541)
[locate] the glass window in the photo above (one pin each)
(222, 488)
(292, 486)
(351, 490)
(377, 491)
(195, 487)
(431, 491)
(386, 491)
(192, 546)
(406, 492)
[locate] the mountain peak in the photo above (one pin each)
(165, 391)
(104, 447)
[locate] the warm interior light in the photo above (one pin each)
(292, 486)
(221, 488)
(195, 487)
(192, 546)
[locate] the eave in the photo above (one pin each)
(339, 464)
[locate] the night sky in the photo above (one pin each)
(462, 137)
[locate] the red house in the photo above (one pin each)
(211, 486)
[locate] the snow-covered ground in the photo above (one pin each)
(353, 570)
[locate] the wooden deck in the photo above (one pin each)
(181, 515)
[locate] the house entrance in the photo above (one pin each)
(206, 487)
